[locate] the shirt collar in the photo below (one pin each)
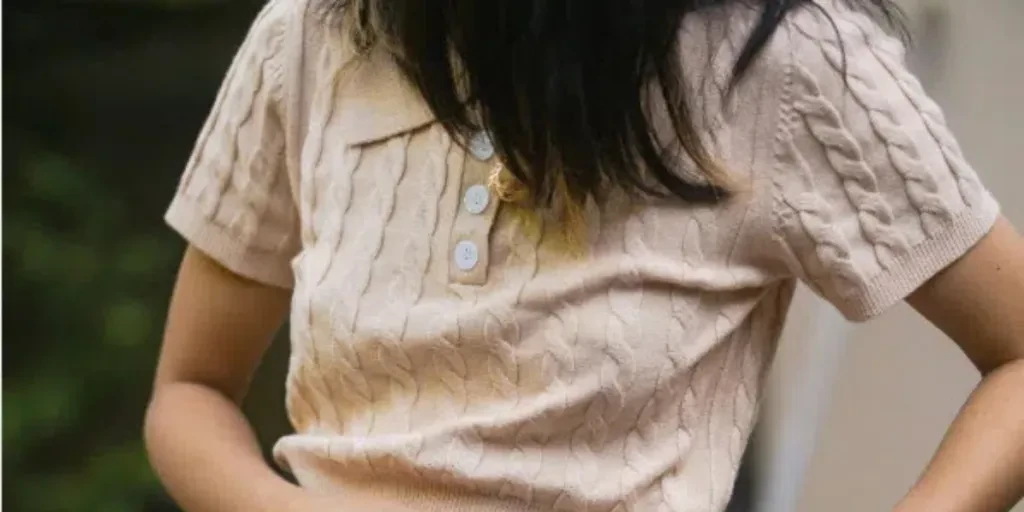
(377, 101)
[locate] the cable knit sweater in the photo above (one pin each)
(449, 355)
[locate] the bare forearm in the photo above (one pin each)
(979, 466)
(207, 456)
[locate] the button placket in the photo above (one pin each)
(470, 240)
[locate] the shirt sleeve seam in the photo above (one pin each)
(783, 128)
(216, 241)
(922, 262)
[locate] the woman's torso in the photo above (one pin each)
(444, 338)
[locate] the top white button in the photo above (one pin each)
(481, 146)
(476, 200)
(466, 255)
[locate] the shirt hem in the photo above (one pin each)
(220, 245)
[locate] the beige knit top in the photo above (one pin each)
(449, 354)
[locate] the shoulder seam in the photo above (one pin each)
(783, 129)
(294, 52)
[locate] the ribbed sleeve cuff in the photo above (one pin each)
(222, 246)
(923, 262)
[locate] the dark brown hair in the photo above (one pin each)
(562, 84)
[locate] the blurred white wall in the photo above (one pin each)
(854, 413)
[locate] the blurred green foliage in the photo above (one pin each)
(87, 292)
(102, 102)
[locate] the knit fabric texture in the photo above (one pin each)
(448, 354)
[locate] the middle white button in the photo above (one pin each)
(466, 255)
(476, 199)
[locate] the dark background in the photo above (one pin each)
(102, 102)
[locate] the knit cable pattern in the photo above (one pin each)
(922, 188)
(831, 247)
(252, 75)
(931, 113)
(844, 153)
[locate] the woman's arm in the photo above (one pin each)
(979, 302)
(199, 442)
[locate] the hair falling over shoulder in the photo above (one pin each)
(562, 85)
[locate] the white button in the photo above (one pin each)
(466, 255)
(477, 198)
(481, 146)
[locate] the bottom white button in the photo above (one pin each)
(466, 255)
